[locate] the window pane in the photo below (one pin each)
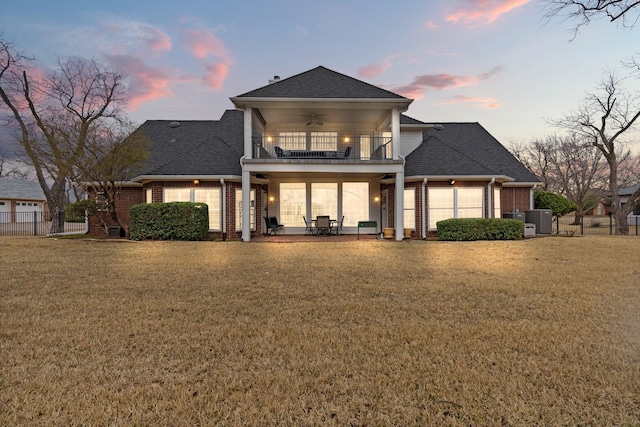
(324, 141)
(149, 195)
(252, 209)
(293, 204)
(355, 202)
(177, 195)
(365, 146)
(440, 204)
(324, 199)
(497, 210)
(410, 208)
(210, 196)
(470, 198)
(293, 140)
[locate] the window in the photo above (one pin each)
(497, 211)
(210, 196)
(293, 203)
(410, 208)
(355, 202)
(252, 209)
(365, 147)
(324, 141)
(388, 146)
(324, 199)
(149, 195)
(293, 140)
(445, 203)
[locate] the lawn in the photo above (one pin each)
(538, 332)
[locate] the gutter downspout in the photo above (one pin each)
(224, 209)
(489, 198)
(531, 198)
(424, 209)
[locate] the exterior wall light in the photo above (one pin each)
(376, 199)
(196, 181)
(346, 139)
(271, 198)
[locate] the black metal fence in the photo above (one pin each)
(36, 224)
(593, 225)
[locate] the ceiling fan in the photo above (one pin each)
(315, 121)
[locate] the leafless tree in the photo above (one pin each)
(604, 119)
(110, 158)
(584, 11)
(57, 113)
(569, 166)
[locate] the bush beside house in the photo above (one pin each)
(169, 221)
(480, 229)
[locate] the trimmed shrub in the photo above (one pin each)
(559, 205)
(480, 229)
(169, 221)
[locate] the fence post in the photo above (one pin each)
(35, 223)
(582, 225)
(637, 224)
(610, 222)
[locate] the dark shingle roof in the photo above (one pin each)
(321, 82)
(195, 147)
(463, 149)
(20, 189)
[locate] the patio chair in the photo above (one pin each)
(310, 229)
(347, 152)
(323, 225)
(339, 226)
(272, 225)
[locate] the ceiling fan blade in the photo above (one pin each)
(319, 122)
(310, 123)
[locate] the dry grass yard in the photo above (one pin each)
(543, 332)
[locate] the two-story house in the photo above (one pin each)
(323, 143)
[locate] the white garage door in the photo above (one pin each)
(25, 211)
(5, 211)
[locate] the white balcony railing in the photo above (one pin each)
(327, 148)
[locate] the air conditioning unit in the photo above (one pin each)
(529, 230)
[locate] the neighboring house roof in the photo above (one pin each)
(628, 190)
(464, 149)
(20, 189)
(195, 147)
(321, 82)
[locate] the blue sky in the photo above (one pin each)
(497, 62)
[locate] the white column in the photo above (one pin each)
(399, 205)
(246, 206)
(248, 134)
(395, 133)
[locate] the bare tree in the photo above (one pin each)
(57, 113)
(584, 11)
(109, 159)
(568, 166)
(604, 119)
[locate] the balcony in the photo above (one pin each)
(301, 146)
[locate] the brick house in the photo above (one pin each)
(323, 143)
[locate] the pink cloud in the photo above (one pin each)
(145, 82)
(484, 11)
(490, 103)
(370, 71)
(432, 25)
(215, 75)
(203, 43)
(421, 84)
(158, 41)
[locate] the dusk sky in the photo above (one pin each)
(496, 62)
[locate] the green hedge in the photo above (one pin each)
(169, 221)
(480, 229)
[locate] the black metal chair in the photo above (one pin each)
(310, 229)
(339, 226)
(323, 225)
(272, 225)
